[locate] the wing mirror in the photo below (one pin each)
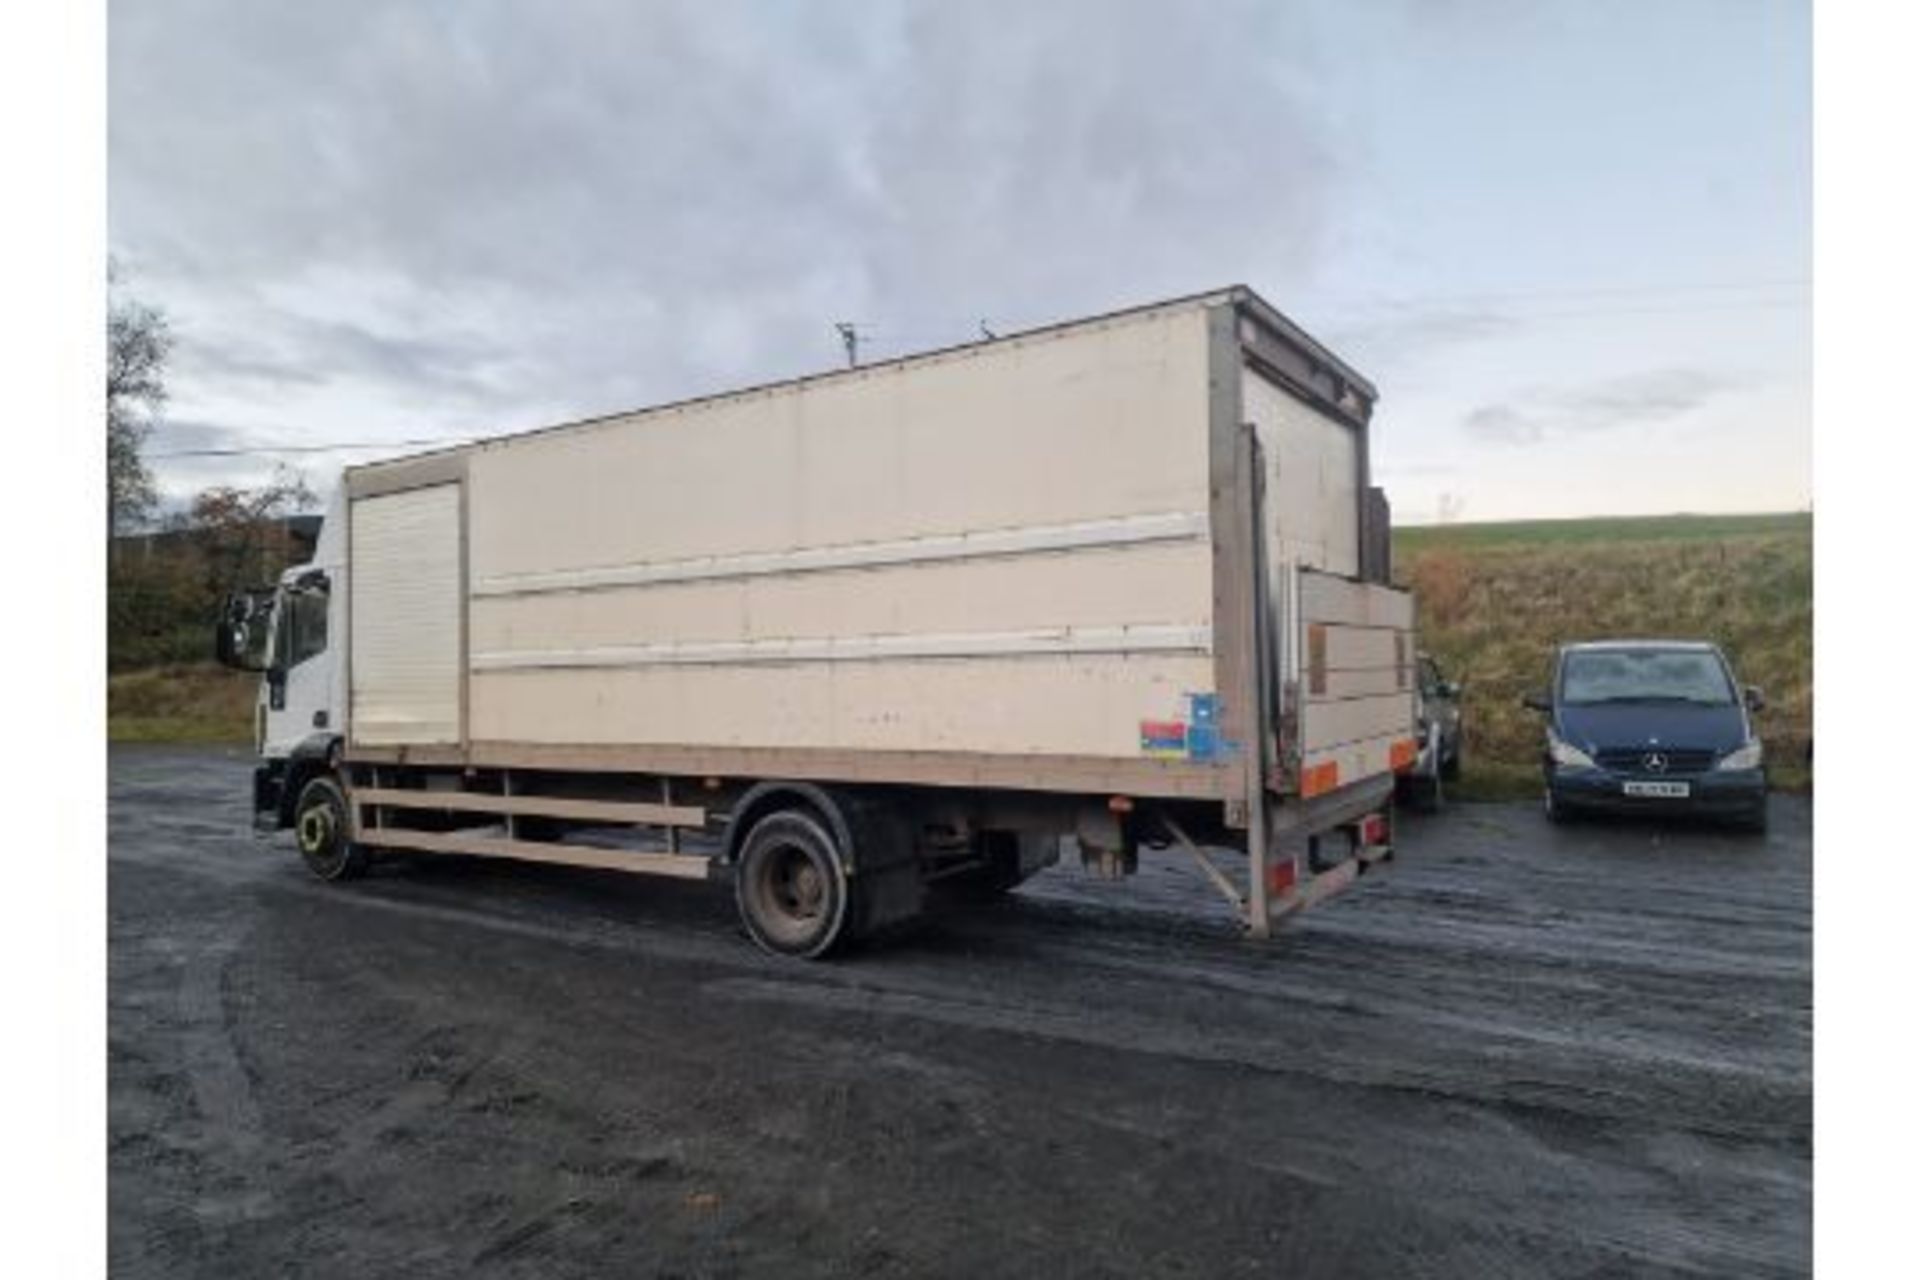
(243, 637)
(1448, 689)
(1756, 700)
(1537, 702)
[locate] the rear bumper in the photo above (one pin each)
(1725, 793)
(1335, 808)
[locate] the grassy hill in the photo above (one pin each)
(187, 702)
(1495, 599)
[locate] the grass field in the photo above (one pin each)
(189, 703)
(1495, 599)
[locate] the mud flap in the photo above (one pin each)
(269, 781)
(884, 875)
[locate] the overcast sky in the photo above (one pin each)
(1569, 241)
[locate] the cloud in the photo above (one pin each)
(1613, 404)
(1398, 338)
(375, 217)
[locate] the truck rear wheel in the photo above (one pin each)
(791, 885)
(320, 829)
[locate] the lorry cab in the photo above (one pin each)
(291, 633)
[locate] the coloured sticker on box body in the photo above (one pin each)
(1163, 739)
(1203, 732)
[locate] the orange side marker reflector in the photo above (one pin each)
(1319, 779)
(1402, 754)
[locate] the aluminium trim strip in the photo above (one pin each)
(534, 805)
(979, 644)
(1174, 526)
(681, 865)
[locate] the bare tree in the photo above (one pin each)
(243, 532)
(161, 603)
(138, 343)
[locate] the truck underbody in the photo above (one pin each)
(897, 845)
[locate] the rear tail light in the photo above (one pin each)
(1281, 876)
(1373, 829)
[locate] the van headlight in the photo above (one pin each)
(1745, 756)
(1567, 755)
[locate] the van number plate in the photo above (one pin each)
(1668, 790)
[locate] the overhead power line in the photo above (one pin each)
(1556, 295)
(341, 447)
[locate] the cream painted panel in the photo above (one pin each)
(1363, 649)
(1365, 708)
(1086, 424)
(1159, 583)
(1373, 716)
(405, 617)
(1353, 684)
(1313, 502)
(1357, 761)
(1079, 705)
(1328, 599)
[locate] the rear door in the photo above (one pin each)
(1351, 681)
(1313, 469)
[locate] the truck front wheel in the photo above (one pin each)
(791, 887)
(320, 829)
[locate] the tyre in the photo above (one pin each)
(1450, 764)
(1557, 812)
(320, 829)
(791, 886)
(1755, 823)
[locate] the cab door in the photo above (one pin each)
(297, 694)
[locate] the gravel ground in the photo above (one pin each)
(1524, 1051)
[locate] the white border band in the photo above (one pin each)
(1177, 526)
(1155, 639)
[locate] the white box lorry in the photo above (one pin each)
(851, 637)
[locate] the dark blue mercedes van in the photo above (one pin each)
(1652, 726)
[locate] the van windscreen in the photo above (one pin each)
(1644, 675)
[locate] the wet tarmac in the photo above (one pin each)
(1523, 1050)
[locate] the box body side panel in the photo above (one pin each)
(1006, 551)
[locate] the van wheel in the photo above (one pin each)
(320, 829)
(1450, 765)
(791, 886)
